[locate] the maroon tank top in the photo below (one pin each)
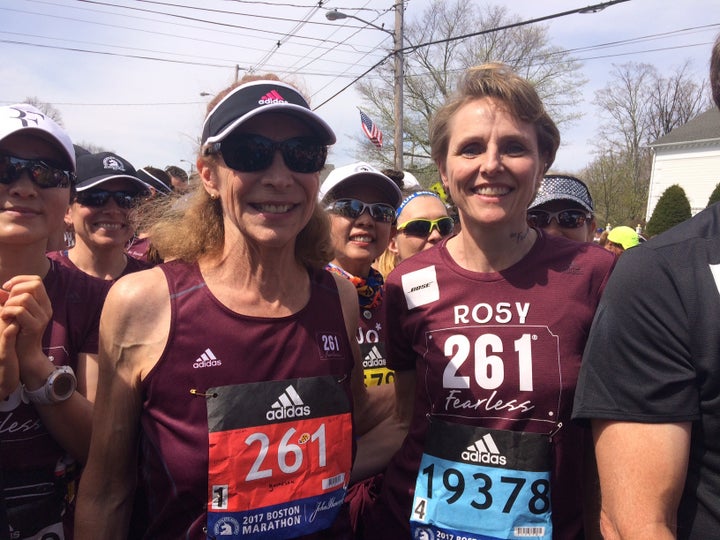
(210, 346)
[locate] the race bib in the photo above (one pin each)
(375, 370)
(279, 458)
(482, 484)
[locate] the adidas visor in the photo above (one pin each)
(257, 97)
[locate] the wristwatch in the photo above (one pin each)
(59, 386)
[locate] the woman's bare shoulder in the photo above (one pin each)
(138, 304)
(140, 291)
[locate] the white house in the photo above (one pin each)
(688, 156)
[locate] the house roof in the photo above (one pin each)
(701, 128)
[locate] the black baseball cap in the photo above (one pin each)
(95, 169)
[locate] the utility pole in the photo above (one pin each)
(398, 86)
(398, 76)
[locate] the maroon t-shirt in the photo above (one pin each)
(133, 264)
(28, 453)
(138, 248)
(495, 350)
(210, 346)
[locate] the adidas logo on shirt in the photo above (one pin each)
(374, 358)
(206, 359)
(288, 405)
(271, 97)
(484, 451)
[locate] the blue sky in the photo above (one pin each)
(150, 111)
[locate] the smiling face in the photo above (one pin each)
(358, 242)
(267, 207)
(102, 227)
(493, 166)
(28, 213)
(422, 207)
(583, 233)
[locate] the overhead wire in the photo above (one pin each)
(310, 61)
(285, 39)
(385, 57)
(177, 35)
(259, 33)
(411, 48)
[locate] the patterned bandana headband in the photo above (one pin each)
(370, 290)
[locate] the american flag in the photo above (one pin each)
(371, 130)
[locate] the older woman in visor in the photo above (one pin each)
(228, 374)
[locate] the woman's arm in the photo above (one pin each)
(378, 445)
(29, 307)
(9, 368)
(133, 332)
(380, 420)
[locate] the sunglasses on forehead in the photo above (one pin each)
(352, 208)
(43, 174)
(422, 228)
(95, 198)
(252, 153)
(567, 219)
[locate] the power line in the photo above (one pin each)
(262, 31)
(211, 22)
(311, 60)
(474, 34)
(285, 38)
(135, 56)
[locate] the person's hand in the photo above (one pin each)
(9, 368)
(28, 309)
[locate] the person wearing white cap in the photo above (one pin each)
(232, 368)
(48, 329)
(361, 202)
(107, 189)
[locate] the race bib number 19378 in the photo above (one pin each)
(482, 484)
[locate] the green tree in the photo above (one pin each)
(638, 105)
(714, 196)
(672, 208)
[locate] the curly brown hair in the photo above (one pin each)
(191, 226)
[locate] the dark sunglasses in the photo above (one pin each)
(352, 208)
(567, 219)
(252, 153)
(43, 174)
(423, 227)
(95, 198)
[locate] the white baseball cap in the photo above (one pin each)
(356, 174)
(24, 119)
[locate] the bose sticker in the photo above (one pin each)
(420, 287)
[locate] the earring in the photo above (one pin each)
(214, 196)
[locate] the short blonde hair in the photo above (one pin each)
(502, 83)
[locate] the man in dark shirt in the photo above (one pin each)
(650, 382)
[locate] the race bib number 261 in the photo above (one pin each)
(280, 457)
